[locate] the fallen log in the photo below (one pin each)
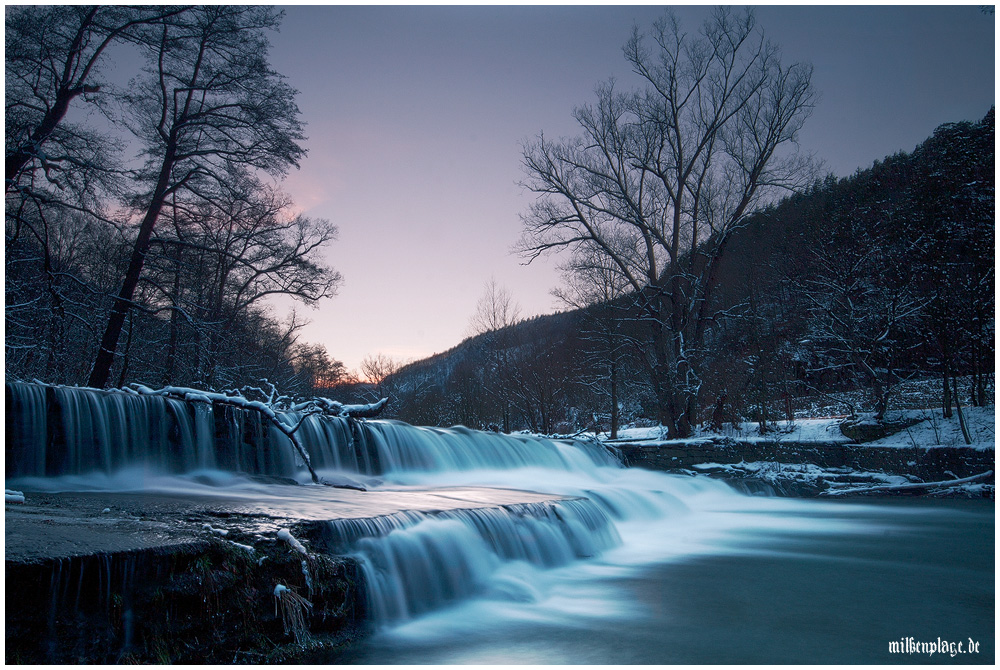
(910, 487)
(334, 408)
(323, 406)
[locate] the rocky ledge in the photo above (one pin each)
(168, 578)
(806, 469)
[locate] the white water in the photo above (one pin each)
(653, 518)
(429, 576)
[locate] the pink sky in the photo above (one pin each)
(415, 118)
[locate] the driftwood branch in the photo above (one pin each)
(911, 487)
(269, 410)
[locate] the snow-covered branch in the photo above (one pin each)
(275, 403)
(911, 487)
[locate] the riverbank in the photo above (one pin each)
(105, 577)
(811, 469)
(812, 457)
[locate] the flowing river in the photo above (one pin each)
(633, 567)
(766, 581)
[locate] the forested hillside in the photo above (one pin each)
(853, 284)
(145, 228)
(146, 235)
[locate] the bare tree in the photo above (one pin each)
(378, 370)
(593, 286)
(216, 258)
(59, 175)
(661, 177)
(496, 313)
(53, 57)
(496, 309)
(540, 375)
(859, 313)
(208, 102)
(318, 372)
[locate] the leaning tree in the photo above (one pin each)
(661, 176)
(207, 104)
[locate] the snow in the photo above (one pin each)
(283, 534)
(308, 575)
(801, 430)
(935, 431)
(799, 472)
(911, 486)
(932, 431)
(217, 531)
(11, 496)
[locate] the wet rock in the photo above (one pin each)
(868, 430)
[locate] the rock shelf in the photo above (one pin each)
(104, 577)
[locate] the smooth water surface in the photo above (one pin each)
(769, 591)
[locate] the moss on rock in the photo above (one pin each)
(206, 602)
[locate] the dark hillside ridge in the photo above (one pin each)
(918, 228)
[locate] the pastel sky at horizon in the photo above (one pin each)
(415, 118)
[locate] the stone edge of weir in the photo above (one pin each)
(107, 577)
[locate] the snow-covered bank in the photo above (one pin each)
(812, 456)
(930, 430)
(935, 431)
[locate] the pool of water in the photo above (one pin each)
(766, 589)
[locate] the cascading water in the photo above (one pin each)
(415, 562)
(57, 431)
(437, 575)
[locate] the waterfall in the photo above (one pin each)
(54, 431)
(413, 562)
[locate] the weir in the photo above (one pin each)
(137, 508)
(156, 530)
(56, 431)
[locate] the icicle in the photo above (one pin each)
(294, 610)
(308, 575)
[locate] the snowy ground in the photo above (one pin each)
(933, 430)
(802, 430)
(930, 431)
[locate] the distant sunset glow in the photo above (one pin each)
(415, 118)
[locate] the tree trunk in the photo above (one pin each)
(881, 392)
(978, 374)
(123, 303)
(15, 162)
(172, 343)
(961, 414)
(125, 354)
(946, 393)
(614, 400)
(668, 409)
